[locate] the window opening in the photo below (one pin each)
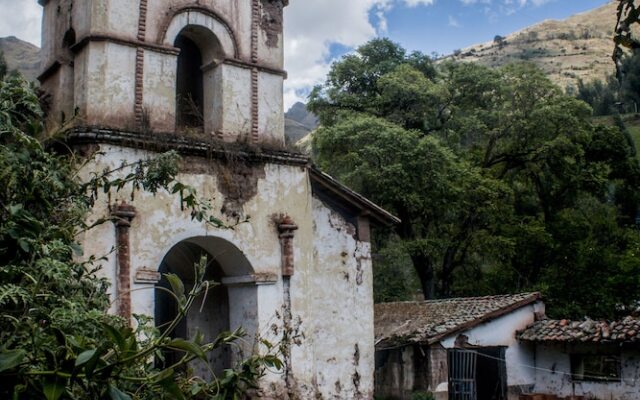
(189, 85)
(596, 367)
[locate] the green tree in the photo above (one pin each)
(3, 66)
(484, 167)
(57, 340)
(445, 204)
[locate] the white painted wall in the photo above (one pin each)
(553, 376)
(101, 85)
(331, 290)
(502, 332)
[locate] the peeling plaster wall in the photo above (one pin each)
(271, 119)
(104, 85)
(234, 102)
(160, 90)
(331, 290)
(553, 375)
(270, 42)
(341, 295)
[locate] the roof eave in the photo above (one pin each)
(351, 197)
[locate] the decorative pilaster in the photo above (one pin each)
(123, 214)
(286, 230)
(139, 78)
(255, 74)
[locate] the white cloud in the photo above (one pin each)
(21, 18)
(453, 22)
(312, 26)
(415, 3)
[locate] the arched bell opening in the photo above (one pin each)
(200, 52)
(222, 308)
(189, 85)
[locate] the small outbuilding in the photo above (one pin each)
(463, 348)
(587, 359)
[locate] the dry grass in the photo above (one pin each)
(579, 47)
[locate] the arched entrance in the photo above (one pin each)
(225, 307)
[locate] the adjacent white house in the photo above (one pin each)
(593, 359)
(462, 348)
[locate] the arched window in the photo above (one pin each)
(189, 85)
(196, 91)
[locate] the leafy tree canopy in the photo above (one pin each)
(485, 167)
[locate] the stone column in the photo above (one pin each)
(286, 230)
(123, 214)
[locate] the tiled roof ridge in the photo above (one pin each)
(623, 330)
(420, 322)
(464, 299)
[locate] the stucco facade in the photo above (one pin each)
(296, 265)
(553, 373)
(113, 63)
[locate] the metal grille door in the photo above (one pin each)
(462, 374)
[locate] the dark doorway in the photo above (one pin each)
(477, 374)
(209, 318)
(491, 373)
(189, 85)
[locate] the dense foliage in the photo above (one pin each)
(614, 95)
(57, 340)
(500, 179)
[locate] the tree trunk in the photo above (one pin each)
(424, 268)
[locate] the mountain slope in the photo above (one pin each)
(579, 47)
(299, 122)
(21, 56)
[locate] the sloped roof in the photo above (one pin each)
(428, 322)
(587, 331)
(323, 183)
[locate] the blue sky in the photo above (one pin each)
(447, 25)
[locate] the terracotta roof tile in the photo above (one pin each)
(431, 321)
(624, 331)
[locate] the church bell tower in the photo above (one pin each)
(192, 68)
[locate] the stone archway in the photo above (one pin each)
(231, 304)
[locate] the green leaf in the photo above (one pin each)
(11, 359)
(53, 389)
(115, 336)
(117, 394)
(85, 356)
(172, 388)
(187, 346)
(177, 286)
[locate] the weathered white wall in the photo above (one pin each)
(101, 85)
(502, 332)
(104, 85)
(271, 118)
(160, 90)
(233, 98)
(331, 290)
(553, 376)
(341, 295)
